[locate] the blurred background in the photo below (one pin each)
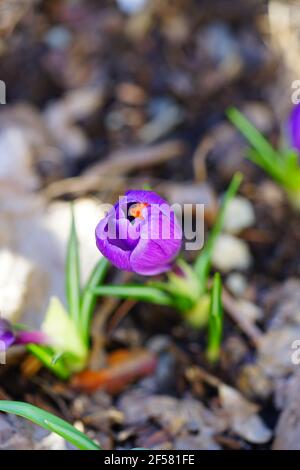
(106, 96)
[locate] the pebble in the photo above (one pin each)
(58, 37)
(237, 284)
(15, 274)
(231, 253)
(16, 157)
(239, 215)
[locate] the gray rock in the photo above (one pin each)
(18, 434)
(287, 434)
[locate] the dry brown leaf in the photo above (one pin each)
(11, 12)
(242, 416)
(123, 368)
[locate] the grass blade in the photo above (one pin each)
(203, 262)
(282, 166)
(50, 422)
(73, 274)
(89, 298)
(136, 292)
(268, 154)
(215, 323)
(262, 153)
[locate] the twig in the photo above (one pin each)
(97, 357)
(197, 373)
(251, 330)
(119, 314)
(116, 164)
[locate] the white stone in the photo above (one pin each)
(16, 158)
(15, 274)
(237, 284)
(239, 215)
(231, 253)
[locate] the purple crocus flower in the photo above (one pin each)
(8, 337)
(294, 127)
(140, 234)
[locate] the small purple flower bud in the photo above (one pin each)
(140, 234)
(294, 127)
(8, 337)
(35, 337)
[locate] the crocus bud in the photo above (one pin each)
(8, 337)
(294, 128)
(140, 234)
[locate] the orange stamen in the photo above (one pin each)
(136, 210)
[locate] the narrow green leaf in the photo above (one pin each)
(46, 356)
(73, 274)
(274, 170)
(50, 422)
(256, 139)
(137, 292)
(203, 262)
(215, 322)
(282, 166)
(89, 298)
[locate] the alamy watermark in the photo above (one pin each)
(162, 222)
(2, 92)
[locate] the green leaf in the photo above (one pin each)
(215, 322)
(254, 137)
(137, 292)
(272, 169)
(64, 334)
(50, 422)
(89, 298)
(73, 274)
(46, 356)
(203, 262)
(283, 166)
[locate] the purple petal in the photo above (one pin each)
(7, 338)
(35, 337)
(150, 197)
(155, 251)
(294, 127)
(118, 257)
(125, 235)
